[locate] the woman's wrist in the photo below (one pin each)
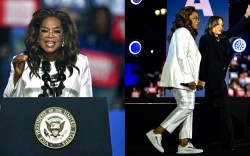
(16, 79)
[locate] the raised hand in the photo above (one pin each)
(18, 63)
(247, 14)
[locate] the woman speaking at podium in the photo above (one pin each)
(51, 65)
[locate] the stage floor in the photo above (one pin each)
(171, 150)
(142, 115)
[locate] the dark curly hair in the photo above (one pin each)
(68, 53)
(182, 20)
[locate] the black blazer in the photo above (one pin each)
(216, 56)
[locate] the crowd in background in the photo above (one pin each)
(238, 81)
(239, 77)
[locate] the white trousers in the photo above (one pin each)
(182, 115)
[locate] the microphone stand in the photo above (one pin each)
(53, 80)
(60, 77)
(45, 78)
(53, 90)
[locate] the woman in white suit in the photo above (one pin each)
(52, 38)
(180, 74)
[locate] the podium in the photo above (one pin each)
(22, 118)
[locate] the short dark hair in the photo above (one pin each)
(211, 23)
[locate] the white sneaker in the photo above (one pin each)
(188, 149)
(155, 139)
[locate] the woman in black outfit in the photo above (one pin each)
(216, 56)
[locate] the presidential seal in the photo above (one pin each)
(55, 127)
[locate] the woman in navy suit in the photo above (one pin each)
(216, 56)
(52, 38)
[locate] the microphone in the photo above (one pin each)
(45, 66)
(61, 67)
(59, 64)
(52, 88)
(45, 78)
(41, 95)
(46, 69)
(184, 84)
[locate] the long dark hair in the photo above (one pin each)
(68, 53)
(182, 20)
(211, 23)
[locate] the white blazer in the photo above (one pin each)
(183, 61)
(77, 85)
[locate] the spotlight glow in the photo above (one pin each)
(157, 12)
(235, 58)
(163, 11)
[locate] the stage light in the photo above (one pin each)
(135, 47)
(239, 45)
(157, 12)
(163, 11)
(136, 2)
(235, 58)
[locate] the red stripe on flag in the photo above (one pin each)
(2, 12)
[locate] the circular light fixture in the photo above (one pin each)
(135, 47)
(239, 45)
(136, 2)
